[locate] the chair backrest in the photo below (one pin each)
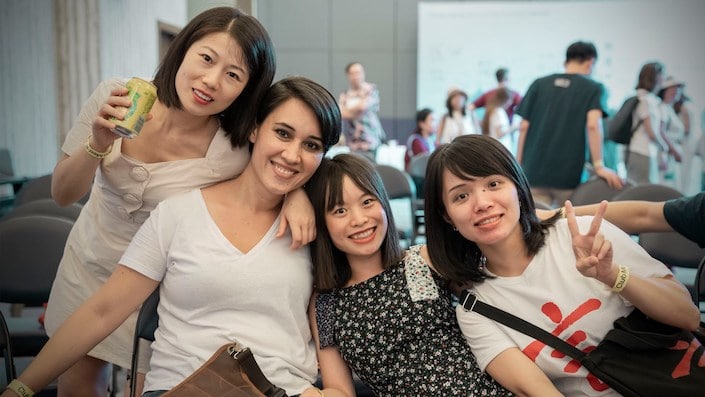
(37, 189)
(31, 248)
(46, 206)
(417, 165)
(402, 194)
(6, 168)
(594, 191)
(6, 351)
(147, 323)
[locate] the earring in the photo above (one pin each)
(455, 229)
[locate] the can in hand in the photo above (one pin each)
(142, 93)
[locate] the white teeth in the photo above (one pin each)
(489, 220)
(362, 235)
(283, 170)
(202, 95)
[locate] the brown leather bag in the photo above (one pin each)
(231, 372)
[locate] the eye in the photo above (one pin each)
(339, 211)
(494, 183)
(234, 75)
(368, 201)
(313, 146)
(460, 196)
(207, 58)
(282, 133)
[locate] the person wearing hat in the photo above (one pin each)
(455, 122)
(673, 133)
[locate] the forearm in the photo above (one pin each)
(73, 175)
(523, 129)
(518, 374)
(594, 134)
(663, 299)
(633, 217)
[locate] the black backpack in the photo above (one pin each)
(619, 127)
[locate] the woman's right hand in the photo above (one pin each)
(115, 106)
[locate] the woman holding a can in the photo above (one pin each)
(209, 87)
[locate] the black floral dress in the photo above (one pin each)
(399, 333)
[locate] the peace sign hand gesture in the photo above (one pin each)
(593, 254)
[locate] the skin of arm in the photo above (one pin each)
(661, 298)
(633, 217)
(73, 174)
(594, 135)
(335, 373)
(297, 213)
(517, 373)
(439, 135)
(120, 296)
(523, 129)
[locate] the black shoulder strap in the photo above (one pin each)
(470, 303)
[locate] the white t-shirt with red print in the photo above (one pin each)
(553, 295)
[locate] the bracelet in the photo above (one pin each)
(94, 153)
(20, 388)
(622, 278)
(598, 164)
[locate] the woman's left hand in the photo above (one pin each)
(593, 254)
(298, 215)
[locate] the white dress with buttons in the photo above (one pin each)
(124, 192)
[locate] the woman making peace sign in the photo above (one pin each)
(572, 277)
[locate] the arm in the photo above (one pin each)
(297, 213)
(594, 132)
(335, 373)
(662, 298)
(441, 126)
(74, 173)
(633, 217)
(523, 129)
(517, 373)
(109, 307)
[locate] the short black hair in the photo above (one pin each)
(581, 51)
(501, 74)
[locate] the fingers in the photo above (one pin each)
(597, 219)
(570, 217)
(282, 227)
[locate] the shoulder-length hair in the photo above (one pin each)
(648, 76)
(315, 96)
(331, 268)
(455, 257)
(449, 101)
(238, 120)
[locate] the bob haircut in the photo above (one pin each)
(331, 268)
(238, 120)
(456, 258)
(648, 76)
(317, 98)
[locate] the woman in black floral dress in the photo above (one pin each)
(380, 312)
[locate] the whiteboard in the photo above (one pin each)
(461, 44)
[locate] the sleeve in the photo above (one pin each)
(324, 319)
(686, 215)
(83, 125)
(485, 338)
(481, 101)
(525, 107)
(417, 146)
(149, 249)
(642, 109)
(597, 99)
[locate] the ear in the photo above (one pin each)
(253, 135)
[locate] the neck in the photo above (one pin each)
(364, 268)
(173, 120)
(249, 192)
(576, 68)
(507, 259)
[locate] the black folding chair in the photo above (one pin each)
(147, 322)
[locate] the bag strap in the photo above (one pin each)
(253, 371)
(470, 302)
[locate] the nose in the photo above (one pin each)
(483, 200)
(292, 153)
(358, 217)
(211, 78)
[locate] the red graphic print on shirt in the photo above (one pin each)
(553, 312)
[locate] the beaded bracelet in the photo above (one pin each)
(94, 153)
(622, 278)
(20, 388)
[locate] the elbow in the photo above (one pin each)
(693, 321)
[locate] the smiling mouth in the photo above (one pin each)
(283, 170)
(488, 220)
(203, 96)
(363, 234)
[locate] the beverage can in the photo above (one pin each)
(142, 93)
